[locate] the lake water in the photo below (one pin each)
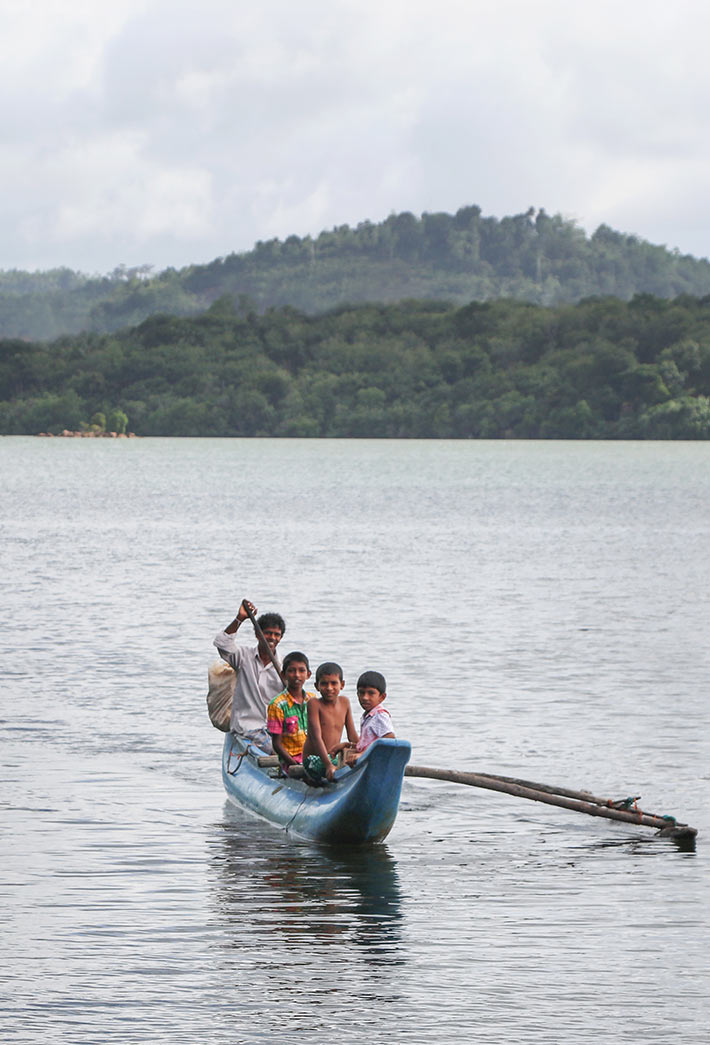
(539, 610)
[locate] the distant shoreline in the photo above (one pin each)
(66, 434)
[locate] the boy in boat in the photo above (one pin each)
(258, 681)
(376, 721)
(286, 718)
(327, 716)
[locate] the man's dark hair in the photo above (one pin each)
(372, 678)
(295, 656)
(272, 620)
(329, 668)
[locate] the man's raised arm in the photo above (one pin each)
(224, 640)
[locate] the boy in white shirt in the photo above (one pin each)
(376, 721)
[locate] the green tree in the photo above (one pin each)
(117, 421)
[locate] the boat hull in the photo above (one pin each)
(358, 807)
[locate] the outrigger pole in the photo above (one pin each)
(582, 801)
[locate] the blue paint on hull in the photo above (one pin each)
(359, 806)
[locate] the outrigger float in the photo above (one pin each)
(627, 810)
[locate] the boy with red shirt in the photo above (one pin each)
(286, 719)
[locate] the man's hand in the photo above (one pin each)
(242, 615)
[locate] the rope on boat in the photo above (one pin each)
(249, 750)
(300, 806)
(298, 810)
(624, 803)
(233, 772)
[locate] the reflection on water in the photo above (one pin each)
(303, 894)
(647, 845)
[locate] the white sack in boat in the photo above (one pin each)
(221, 680)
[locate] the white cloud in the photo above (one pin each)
(174, 132)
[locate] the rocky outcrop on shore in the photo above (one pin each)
(66, 434)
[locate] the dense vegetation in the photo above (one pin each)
(602, 368)
(458, 258)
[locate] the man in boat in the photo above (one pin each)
(258, 681)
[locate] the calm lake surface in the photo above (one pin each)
(540, 609)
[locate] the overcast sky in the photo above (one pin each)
(167, 132)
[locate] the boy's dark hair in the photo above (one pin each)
(295, 657)
(372, 678)
(329, 668)
(272, 620)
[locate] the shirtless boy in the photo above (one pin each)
(327, 716)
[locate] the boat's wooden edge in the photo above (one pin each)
(272, 762)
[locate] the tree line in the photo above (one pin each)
(601, 368)
(535, 257)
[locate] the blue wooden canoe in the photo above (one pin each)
(358, 806)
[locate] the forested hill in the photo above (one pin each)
(602, 368)
(457, 258)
